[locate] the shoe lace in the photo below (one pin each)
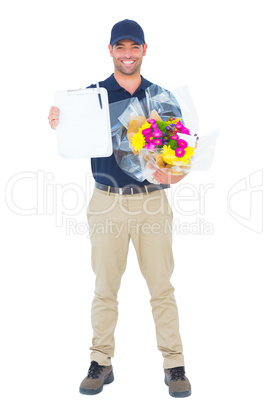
(94, 370)
(177, 373)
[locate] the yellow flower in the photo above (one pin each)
(145, 125)
(169, 156)
(138, 140)
(189, 151)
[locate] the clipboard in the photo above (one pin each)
(84, 123)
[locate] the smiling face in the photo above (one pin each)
(127, 56)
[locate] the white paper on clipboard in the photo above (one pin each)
(84, 127)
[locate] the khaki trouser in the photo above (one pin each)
(146, 219)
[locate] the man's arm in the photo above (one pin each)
(53, 117)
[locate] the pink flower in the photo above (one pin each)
(149, 138)
(182, 144)
(151, 121)
(158, 142)
(157, 133)
(154, 125)
(147, 131)
(174, 137)
(150, 146)
(180, 127)
(179, 152)
(185, 131)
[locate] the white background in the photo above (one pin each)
(218, 49)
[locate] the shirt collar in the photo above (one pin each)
(112, 84)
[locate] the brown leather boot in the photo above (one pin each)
(97, 376)
(179, 385)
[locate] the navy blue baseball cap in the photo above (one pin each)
(127, 29)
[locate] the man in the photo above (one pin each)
(130, 206)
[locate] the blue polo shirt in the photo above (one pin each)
(105, 170)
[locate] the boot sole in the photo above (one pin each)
(108, 380)
(183, 394)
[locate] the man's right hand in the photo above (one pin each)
(53, 117)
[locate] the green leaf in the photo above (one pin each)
(173, 144)
(161, 125)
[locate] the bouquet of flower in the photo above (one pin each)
(153, 132)
(167, 143)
